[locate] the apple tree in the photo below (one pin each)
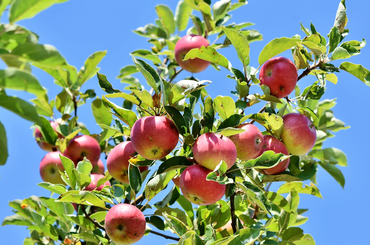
(213, 159)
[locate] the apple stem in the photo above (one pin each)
(165, 236)
(232, 211)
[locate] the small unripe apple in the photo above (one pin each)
(40, 138)
(210, 148)
(197, 189)
(98, 168)
(298, 133)
(154, 137)
(125, 224)
(94, 181)
(183, 46)
(280, 75)
(248, 143)
(50, 166)
(118, 161)
(83, 146)
(271, 143)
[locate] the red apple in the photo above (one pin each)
(83, 146)
(270, 143)
(94, 181)
(197, 189)
(50, 166)
(210, 148)
(40, 138)
(125, 224)
(280, 75)
(298, 133)
(176, 180)
(99, 168)
(248, 143)
(154, 137)
(118, 161)
(183, 46)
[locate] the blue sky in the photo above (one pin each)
(79, 28)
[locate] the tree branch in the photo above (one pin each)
(308, 70)
(165, 236)
(139, 199)
(232, 211)
(93, 221)
(175, 75)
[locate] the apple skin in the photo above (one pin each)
(210, 148)
(154, 137)
(280, 75)
(99, 168)
(125, 224)
(274, 144)
(197, 189)
(50, 166)
(183, 46)
(83, 146)
(298, 133)
(176, 180)
(248, 143)
(94, 181)
(118, 161)
(40, 138)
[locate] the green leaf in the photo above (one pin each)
(285, 176)
(127, 116)
(240, 43)
(158, 183)
(105, 84)
(176, 225)
(151, 31)
(101, 112)
(287, 219)
(166, 17)
(300, 188)
(145, 97)
(182, 15)
(3, 5)
(99, 216)
(198, 25)
(307, 239)
(208, 115)
(275, 47)
(292, 234)
(89, 68)
(317, 49)
(230, 131)
(146, 54)
(170, 198)
(341, 17)
(225, 106)
(178, 119)
(3, 145)
(246, 236)
(82, 197)
(16, 219)
(47, 131)
(190, 238)
(220, 9)
(232, 121)
(357, 70)
(209, 54)
(255, 195)
(334, 171)
(19, 107)
(24, 9)
(340, 53)
(331, 155)
(55, 188)
(268, 159)
(149, 73)
(134, 177)
(334, 39)
(156, 221)
(173, 163)
(69, 166)
(186, 206)
(279, 200)
(184, 87)
(82, 173)
(127, 70)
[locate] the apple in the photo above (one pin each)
(99, 168)
(176, 180)
(280, 75)
(41, 141)
(298, 133)
(50, 166)
(197, 189)
(154, 137)
(210, 148)
(183, 46)
(83, 146)
(118, 161)
(274, 144)
(125, 224)
(94, 181)
(248, 143)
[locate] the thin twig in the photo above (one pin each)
(93, 221)
(175, 75)
(139, 199)
(232, 211)
(165, 236)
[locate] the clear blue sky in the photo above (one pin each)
(79, 28)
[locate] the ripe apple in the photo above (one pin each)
(98, 168)
(50, 166)
(176, 180)
(248, 143)
(125, 224)
(298, 133)
(154, 137)
(183, 46)
(83, 146)
(118, 161)
(94, 181)
(274, 144)
(40, 138)
(197, 189)
(210, 148)
(280, 75)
